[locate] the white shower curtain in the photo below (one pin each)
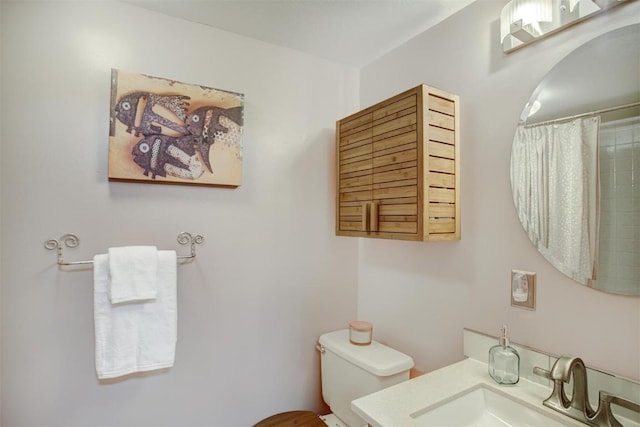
(555, 181)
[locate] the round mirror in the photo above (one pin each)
(575, 164)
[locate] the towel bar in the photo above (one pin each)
(71, 241)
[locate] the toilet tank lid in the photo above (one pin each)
(375, 358)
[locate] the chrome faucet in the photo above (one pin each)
(578, 406)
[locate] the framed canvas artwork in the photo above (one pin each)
(172, 132)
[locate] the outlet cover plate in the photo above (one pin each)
(530, 302)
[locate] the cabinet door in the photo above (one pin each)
(395, 167)
(354, 179)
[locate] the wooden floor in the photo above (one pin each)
(292, 419)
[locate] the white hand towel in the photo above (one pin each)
(133, 272)
(135, 336)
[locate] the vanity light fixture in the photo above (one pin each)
(523, 21)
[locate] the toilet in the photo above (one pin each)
(348, 371)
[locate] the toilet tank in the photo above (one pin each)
(351, 371)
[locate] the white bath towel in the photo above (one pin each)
(133, 271)
(139, 335)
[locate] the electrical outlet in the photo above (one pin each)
(523, 289)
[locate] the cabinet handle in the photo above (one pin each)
(369, 216)
(365, 216)
(373, 216)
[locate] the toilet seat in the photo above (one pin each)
(292, 419)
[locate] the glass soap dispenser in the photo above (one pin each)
(504, 361)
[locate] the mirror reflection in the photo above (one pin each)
(575, 164)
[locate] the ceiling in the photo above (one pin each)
(351, 32)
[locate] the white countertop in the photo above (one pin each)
(393, 406)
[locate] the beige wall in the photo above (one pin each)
(420, 295)
(271, 275)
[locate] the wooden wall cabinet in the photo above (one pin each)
(398, 168)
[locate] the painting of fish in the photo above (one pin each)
(165, 131)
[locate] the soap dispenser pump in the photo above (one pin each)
(504, 361)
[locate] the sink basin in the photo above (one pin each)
(463, 394)
(482, 406)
